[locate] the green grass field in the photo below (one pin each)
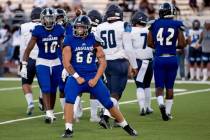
(191, 112)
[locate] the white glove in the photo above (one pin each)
(64, 75)
(23, 71)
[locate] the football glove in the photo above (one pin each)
(64, 75)
(23, 71)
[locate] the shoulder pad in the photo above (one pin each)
(127, 27)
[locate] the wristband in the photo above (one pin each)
(75, 75)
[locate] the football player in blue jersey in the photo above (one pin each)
(48, 37)
(163, 35)
(79, 55)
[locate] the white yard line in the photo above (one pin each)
(15, 88)
(87, 108)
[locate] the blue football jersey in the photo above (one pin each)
(83, 57)
(48, 41)
(165, 34)
(69, 29)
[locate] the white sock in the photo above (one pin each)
(49, 113)
(169, 104)
(198, 72)
(160, 100)
(29, 99)
(93, 108)
(205, 74)
(76, 104)
(69, 126)
(140, 97)
(123, 123)
(192, 73)
(40, 93)
(147, 97)
(62, 101)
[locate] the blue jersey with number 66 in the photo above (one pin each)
(83, 57)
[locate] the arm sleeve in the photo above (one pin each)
(128, 47)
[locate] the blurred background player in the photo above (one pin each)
(25, 31)
(48, 37)
(205, 42)
(163, 35)
(62, 20)
(79, 59)
(144, 56)
(118, 50)
(194, 50)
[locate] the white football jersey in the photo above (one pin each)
(112, 35)
(139, 41)
(195, 36)
(25, 32)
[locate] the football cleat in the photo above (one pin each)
(41, 104)
(30, 110)
(149, 110)
(95, 119)
(163, 113)
(143, 112)
(170, 116)
(49, 120)
(104, 123)
(67, 134)
(130, 130)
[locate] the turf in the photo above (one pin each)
(191, 120)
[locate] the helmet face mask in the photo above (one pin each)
(82, 26)
(48, 18)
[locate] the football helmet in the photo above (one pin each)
(95, 17)
(48, 18)
(35, 13)
(61, 17)
(82, 26)
(113, 12)
(139, 18)
(196, 24)
(167, 10)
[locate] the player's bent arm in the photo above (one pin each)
(181, 40)
(66, 60)
(129, 51)
(30, 46)
(150, 41)
(101, 60)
